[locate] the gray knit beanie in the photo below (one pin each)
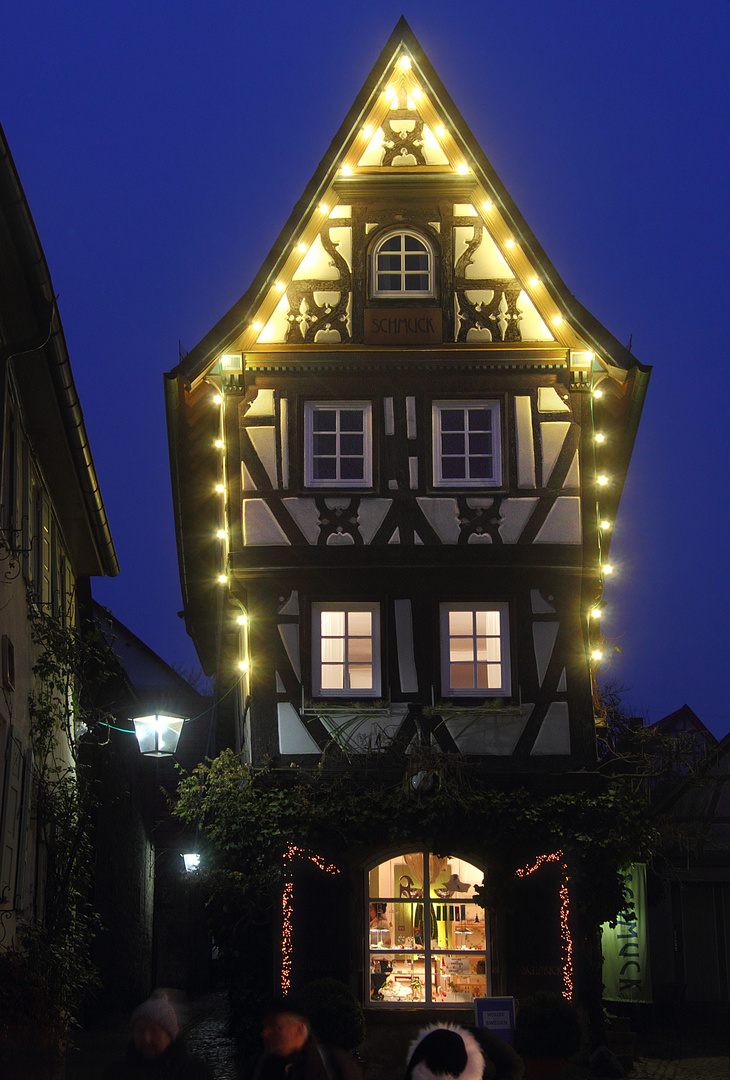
(158, 1010)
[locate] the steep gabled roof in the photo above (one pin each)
(32, 338)
(403, 69)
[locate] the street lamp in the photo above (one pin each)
(158, 735)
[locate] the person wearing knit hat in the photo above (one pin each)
(450, 1052)
(156, 1049)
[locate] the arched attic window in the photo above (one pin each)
(402, 265)
(427, 941)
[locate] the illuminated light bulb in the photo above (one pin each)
(604, 524)
(257, 327)
(589, 355)
(598, 393)
(222, 579)
(302, 248)
(324, 208)
(462, 167)
(404, 62)
(217, 400)
(367, 131)
(390, 93)
(221, 534)
(602, 480)
(534, 282)
(440, 131)
(596, 613)
(219, 443)
(600, 437)
(220, 488)
(346, 170)
(509, 243)
(487, 205)
(417, 93)
(243, 666)
(607, 568)
(280, 286)
(557, 319)
(242, 619)
(596, 655)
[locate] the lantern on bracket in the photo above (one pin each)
(158, 735)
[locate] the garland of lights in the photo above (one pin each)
(565, 936)
(287, 905)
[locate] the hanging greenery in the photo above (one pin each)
(249, 816)
(73, 664)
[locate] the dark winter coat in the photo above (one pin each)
(175, 1064)
(312, 1062)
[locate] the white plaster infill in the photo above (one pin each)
(484, 730)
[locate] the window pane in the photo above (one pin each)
(333, 677)
(388, 262)
(480, 419)
(494, 676)
(453, 443)
(453, 468)
(389, 283)
(393, 243)
(324, 444)
(488, 623)
(324, 420)
(480, 468)
(359, 650)
(360, 623)
(480, 442)
(489, 649)
(351, 420)
(360, 676)
(352, 445)
(461, 676)
(333, 650)
(452, 419)
(324, 469)
(416, 283)
(332, 623)
(352, 469)
(461, 650)
(461, 622)
(412, 243)
(418, 263)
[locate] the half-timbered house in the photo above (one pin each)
(396, 463)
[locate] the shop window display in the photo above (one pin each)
(428, 941)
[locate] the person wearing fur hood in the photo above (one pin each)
(450, 1052)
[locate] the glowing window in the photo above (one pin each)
(427, 941)
(402, 265)
(466, 444)
(346, 650)
(475, 650)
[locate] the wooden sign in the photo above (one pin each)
(403, 326)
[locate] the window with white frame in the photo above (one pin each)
(346, 649)
(428, 943)
(475, 650)
(466, 444)
(402, 265)
(338, 444)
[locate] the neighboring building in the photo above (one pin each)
(151, 932)
(689, 920)
(54, 534)
(396, 463)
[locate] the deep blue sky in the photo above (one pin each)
(163, 144)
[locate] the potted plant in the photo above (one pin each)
(547, 1033)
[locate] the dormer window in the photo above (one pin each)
(403, 263)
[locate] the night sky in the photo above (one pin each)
(162, 145)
